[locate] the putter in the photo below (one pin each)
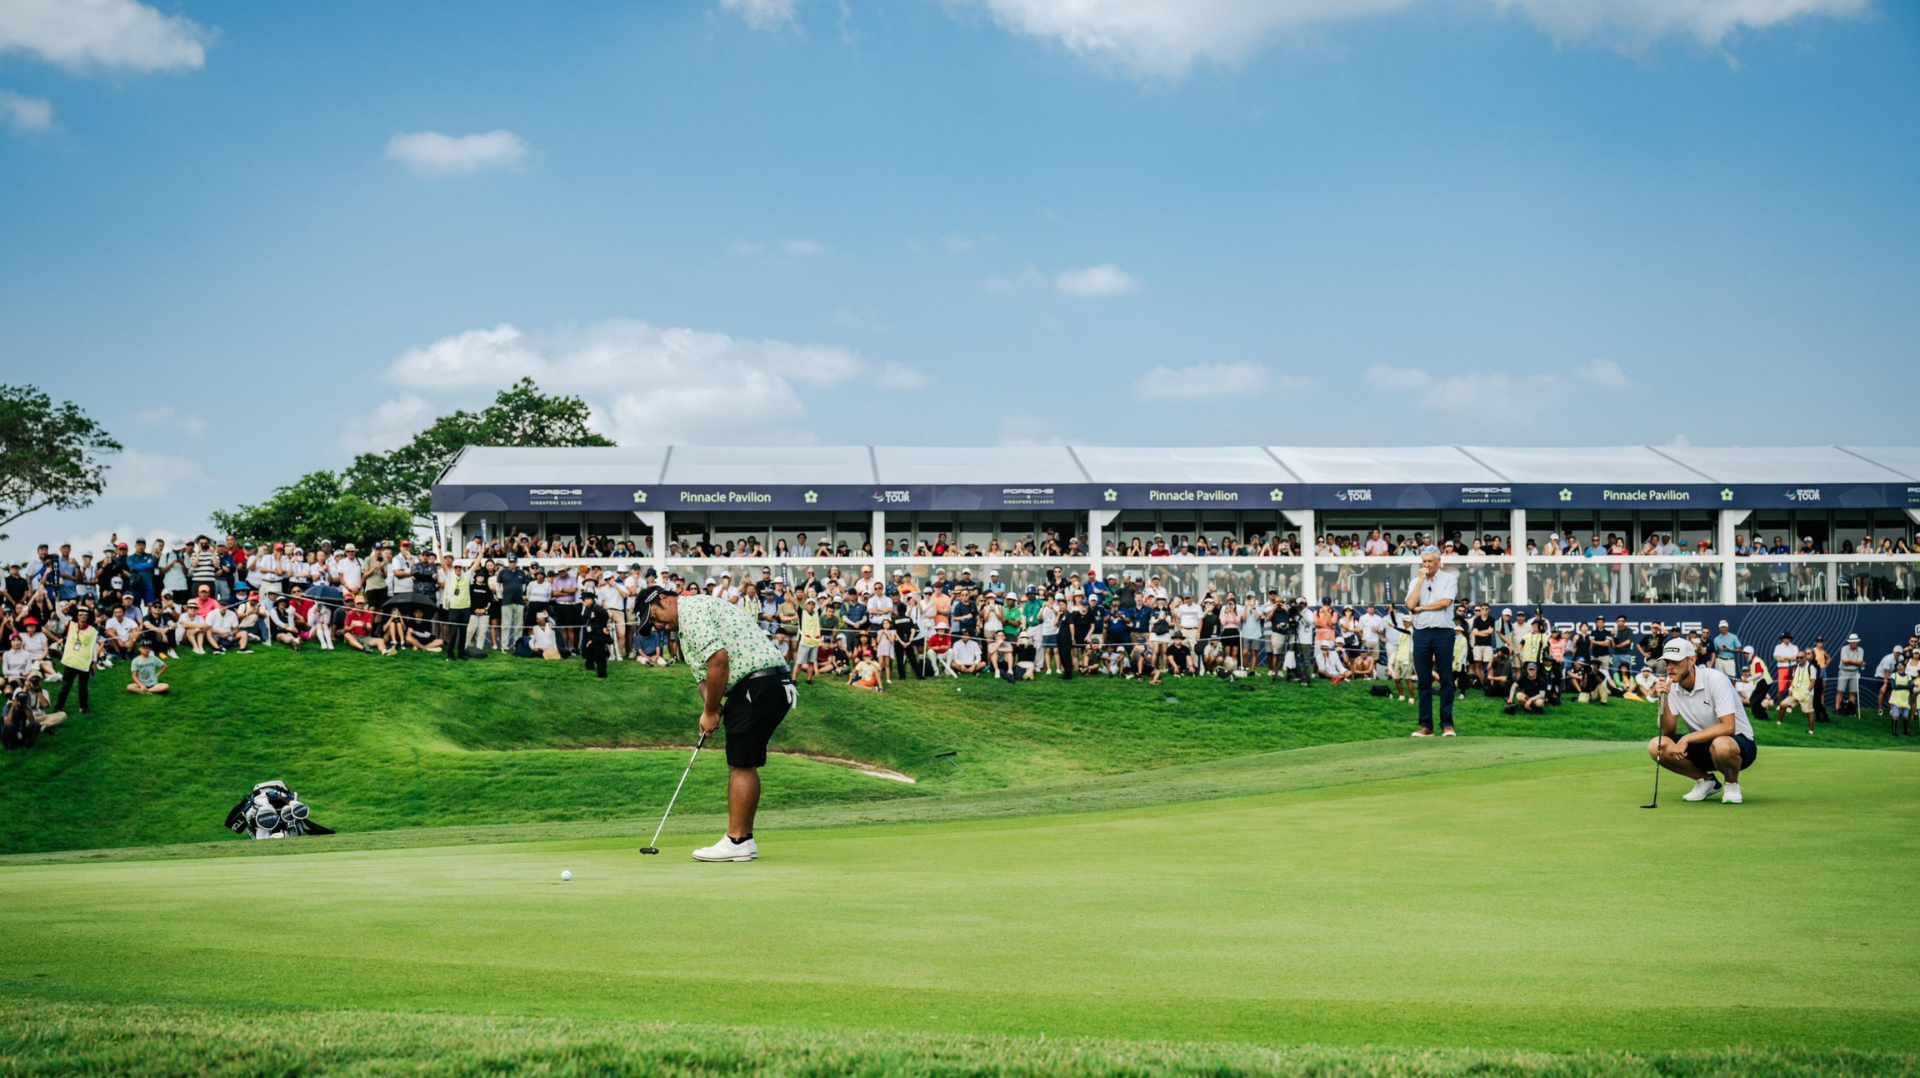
(1660, 670)
(652, 847)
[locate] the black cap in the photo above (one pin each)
(643, 605)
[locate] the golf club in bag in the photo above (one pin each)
(272, 811)
(653, 847)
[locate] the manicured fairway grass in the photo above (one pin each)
(63, 1039)
(1518, 905)
(414, 742)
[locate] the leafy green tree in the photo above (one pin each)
(49, 457)
(317, 507)
(520, 416)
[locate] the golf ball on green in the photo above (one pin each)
(566, 874)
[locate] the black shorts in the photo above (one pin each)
(753, 709)
(1700, 756)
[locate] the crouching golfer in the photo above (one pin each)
(1718, 735)
(744, 682)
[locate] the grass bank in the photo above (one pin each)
(415, 742)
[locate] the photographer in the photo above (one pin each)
(1590, 682)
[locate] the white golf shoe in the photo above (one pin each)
(1705, 788)
(728, 850)
(1732, 794)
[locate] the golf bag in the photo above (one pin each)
(272, 811)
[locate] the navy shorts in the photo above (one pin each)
(753, 709)
(1701, 756)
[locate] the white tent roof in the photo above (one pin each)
(860, 465)
(1408, 464)
(1810, 464)
(484, 465)
(1221, 464)
(991, 465)
(700, 465)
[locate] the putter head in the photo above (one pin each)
(649, 849)
(1655, 805)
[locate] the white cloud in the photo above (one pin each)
(1209, 380)
(139, 475)
(1520, 398)
(24, 113)
(1096, 281)
(82, 34)
(390, 426)
(166, 416)
(1023, 429)
(1680, 441)
(958, 244)
(1023, 277)
(430, 153)
(647, 384)
(901, 376)
(761, 14)
(802, 248)
(96, 541)
(1604, 374)
(1634, 23)
(746, 248)
(1164, 38)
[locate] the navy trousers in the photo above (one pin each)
(1433, 648)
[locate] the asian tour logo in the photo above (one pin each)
(1354, 494)
(1804, 494)
(892, 497)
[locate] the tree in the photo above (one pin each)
(519, 416)
(317, 507)
(49, 457)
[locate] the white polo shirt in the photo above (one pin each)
(1712, 696)
(1444, 585)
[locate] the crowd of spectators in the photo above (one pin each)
(144, 603)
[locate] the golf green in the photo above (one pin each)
(1497, 900)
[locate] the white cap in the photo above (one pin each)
(1723, 623)
(1676, 650)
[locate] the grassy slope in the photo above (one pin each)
(83, 1041)
(378, 744)
(1528, 905)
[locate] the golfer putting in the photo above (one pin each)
(1719, 736)
(743, 682)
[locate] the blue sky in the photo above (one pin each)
(255, 239)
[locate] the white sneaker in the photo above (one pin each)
(728, 850)
(1732, 794)
(1705, 788)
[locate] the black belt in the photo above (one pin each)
(778, 675)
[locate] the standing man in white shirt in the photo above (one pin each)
(1431, 599)
(1718, 737)
(1373, 630)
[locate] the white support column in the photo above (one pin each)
(656, 522)
(1517, 546)
(1309, 576)
(1097, 521)
(447, 537)
(878, 538)
(1729, 584)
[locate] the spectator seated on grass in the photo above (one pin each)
(1529, 693)
(120, 635)
(541, 642)
(356, 628)
(866, 673)
(147, 668)
(1590, 682)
